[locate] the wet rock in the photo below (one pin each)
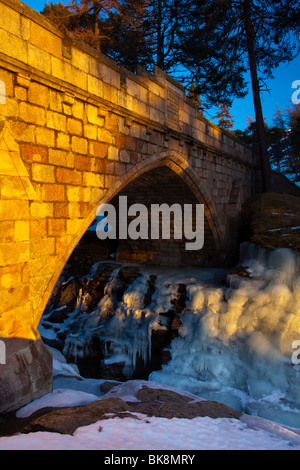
(179, 302)
(146, 394)
(64, 297)
(171, 410)
(241, 271)
(150, 290)
(113, 371)
(107, 386)
(67, 420)
(153, 403)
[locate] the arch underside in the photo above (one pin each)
(160, 180)
(160, 185)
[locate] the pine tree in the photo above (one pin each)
(227, 36)
(58, 14)
(225, 120)
(279, 149)
(130, 43)
(294, 135)
(86, 20)
(195, 98)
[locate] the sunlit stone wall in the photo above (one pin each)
(75, 129)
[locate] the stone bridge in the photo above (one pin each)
(78, 130)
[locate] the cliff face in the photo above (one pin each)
(273, 221)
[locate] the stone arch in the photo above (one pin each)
(179, 167)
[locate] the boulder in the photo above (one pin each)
(153, 403)
(27, 374)
(67, 420)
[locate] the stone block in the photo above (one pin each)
(63, 141)
(13, 253)
(12, 188)
(11, 276)
(64, 71)
(64, 175)
(94, 86)
(90, 131)
(105, 136)
(55, 100)
(113, 153)
(98, 149)
(22, 132)
(92, 115)
(97, 195)
(10, 17)
(11, 107)
(73, 226)
(7, 231)
(111, 122)
(43, 173)
(38, 228)
(79, 145)
(74, 126)
(110, 93)
(40, 210)
(80, 59)
(61, 158)
(61, 209)
(45, 136)
(53, 192)
(34, 153)
(42, 247)
(32, 114)
(20, 93)
(124, 156)
(120, 141)
(13, 46)
(56, 121)
(78, 110)
(45, 40)
(11, 210)
(63, 243)
(27, 374)
(22, 230)
(39, 59)
(38, 94)
(56, 227)
(83, 163)
(93, 179)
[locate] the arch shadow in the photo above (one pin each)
(176, 164)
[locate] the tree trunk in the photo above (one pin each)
(260, 126)
(160, 56)
(96, 26)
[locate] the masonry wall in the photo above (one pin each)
(78, 128)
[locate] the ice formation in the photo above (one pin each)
(235, 343)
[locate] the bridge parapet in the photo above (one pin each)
(36, 45)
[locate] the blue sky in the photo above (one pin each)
(280, 94)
